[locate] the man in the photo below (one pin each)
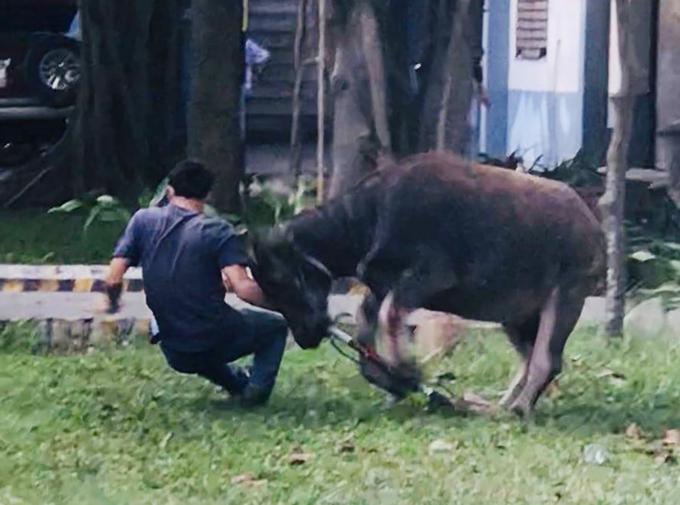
(187, 258)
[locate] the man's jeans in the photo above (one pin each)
(263, 335)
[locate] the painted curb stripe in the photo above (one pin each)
(64, 285)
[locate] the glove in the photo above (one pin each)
(113, 292)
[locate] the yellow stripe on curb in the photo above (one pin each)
(49, 285)
(13, 286)
(82, 285)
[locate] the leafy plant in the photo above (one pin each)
(21, 337)
(653, 266)
(103, 208)
(577, 171)
(270, 202)
(153, 197)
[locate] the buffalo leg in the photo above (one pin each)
(392, 321)
(415, 287)
(367, 319)
(558, 318)
(522, 337)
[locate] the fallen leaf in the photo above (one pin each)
(616, 378)
(634, 432)
(346, 446)
(441, 446)
(247, 479)
(664, 458)
(241, 478)
(595, 454)
(607, 372)
(299, 458)
(474, 403)
(671, 438)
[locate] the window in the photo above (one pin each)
(532, 29)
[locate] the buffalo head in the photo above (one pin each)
(295, 283)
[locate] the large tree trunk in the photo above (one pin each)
(378, 108)
(612, 202)
(359, 101)
(121, 136)
(448, 95)
(124, 124)
(214, 129)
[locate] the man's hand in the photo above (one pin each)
(236, 278)
(113, 292)
(114, 283)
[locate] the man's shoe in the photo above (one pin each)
(254, 396)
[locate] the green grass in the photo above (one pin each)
(35, 237)
(118, 427)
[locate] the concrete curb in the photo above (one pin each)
(62, 279)
(61, 299)
(88, 279)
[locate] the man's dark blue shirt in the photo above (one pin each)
(182, 253)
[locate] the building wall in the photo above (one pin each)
(545, 97)
(494, 120)
(555, 106)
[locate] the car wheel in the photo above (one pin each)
(52, 68)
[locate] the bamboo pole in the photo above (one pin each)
(295, 145)
(612, 202)
(321, 104)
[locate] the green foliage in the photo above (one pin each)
(653, 267)
(270, 202)
(35, 237)
(58, 236)
(21, 337)
(120, 427)
(577, 171)
(99, 209)
(151, 198)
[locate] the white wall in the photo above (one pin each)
(545, 103)
(561, 70)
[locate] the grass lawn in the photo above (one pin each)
(36, 237)
(117, 427)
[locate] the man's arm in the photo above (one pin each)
(114, 282)
(236, 278)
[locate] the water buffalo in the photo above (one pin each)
(436, 232)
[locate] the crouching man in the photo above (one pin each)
(186, 259)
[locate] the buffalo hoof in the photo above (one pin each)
(522, 409)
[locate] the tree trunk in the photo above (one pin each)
(674, 179)
(298, 64)
(121, 134)
(128, 94)
(612, 202)
(354, 137)
(447, 98)
(214, 131)
(379, 108)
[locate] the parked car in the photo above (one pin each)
(39, 53)
(39, 75)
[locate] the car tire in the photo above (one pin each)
(52, 69)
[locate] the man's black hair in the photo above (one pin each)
(191, 179)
